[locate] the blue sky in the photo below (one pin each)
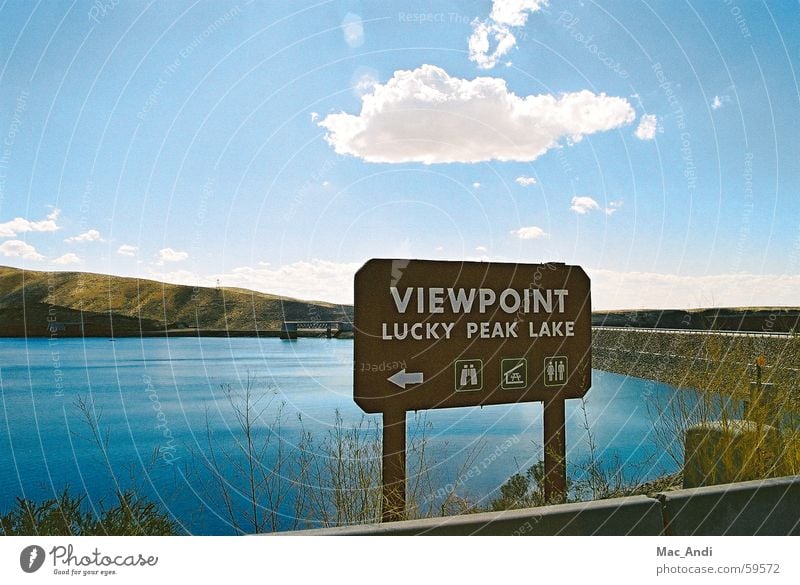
(279, 145)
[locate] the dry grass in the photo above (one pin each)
(76, 296)
(267, 479)
(744, 417)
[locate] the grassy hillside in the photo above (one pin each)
(30, 301)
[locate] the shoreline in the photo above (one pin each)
(174, 333)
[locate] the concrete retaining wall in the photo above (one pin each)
(767, 507)
(667, 357)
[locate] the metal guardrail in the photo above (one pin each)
(720, 332)
(763, 507)
(752, 508)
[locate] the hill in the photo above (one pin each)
(32, 303)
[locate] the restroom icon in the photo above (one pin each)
(556, 371)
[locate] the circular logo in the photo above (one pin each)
(31, 558)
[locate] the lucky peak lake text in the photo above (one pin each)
(429, 301)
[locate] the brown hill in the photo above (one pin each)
(36, 303)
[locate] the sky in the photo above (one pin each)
(277, 146)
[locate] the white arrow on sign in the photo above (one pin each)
(402, 378)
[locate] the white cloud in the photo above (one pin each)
(719, 101)
(583, 205)
(613, 206)
(185, 277)
(476, 185)
(353, 30)
(127, 250)
(428, 116)
(364, 81)
(514, 12)
(645, 290)
(484, 34)
(310, 280)
(19, 225)
(496, 30)
(525, 181)
(315, 279)
(648, 124)
(69, 258)
(333, 281)
(481, 249)
(314, 116)
(19, 249)
(529, 233)
(88, 236)
(170, 255)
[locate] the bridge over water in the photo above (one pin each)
(290, 329)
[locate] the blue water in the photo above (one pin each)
(162, 405)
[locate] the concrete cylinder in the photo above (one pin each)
(729, 451)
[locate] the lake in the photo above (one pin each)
(163, 405)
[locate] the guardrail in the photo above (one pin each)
(778, 334)
(765, 507)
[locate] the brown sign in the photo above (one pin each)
(446, 334)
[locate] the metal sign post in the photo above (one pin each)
(450, 334)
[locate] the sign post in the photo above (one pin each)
(555, 451)
(393, 502)
(449, 334)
